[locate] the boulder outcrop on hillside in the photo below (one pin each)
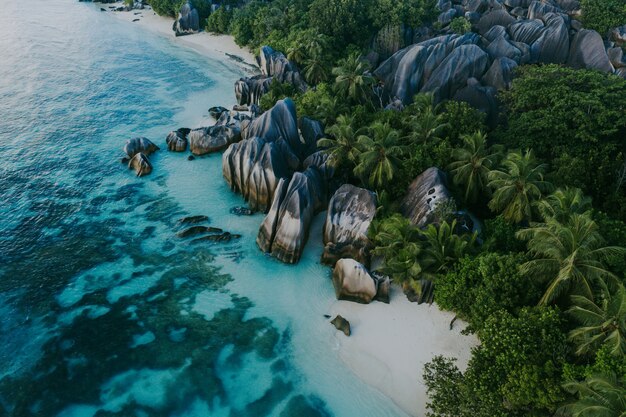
(274, 66)
(350, 213)
(427, 191)
(506, 33)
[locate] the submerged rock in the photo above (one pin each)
(424, 194)
(141, 164)
(241, 211)
(341, 324)
(350, 213)
(353, 282)
(197, 230)
(139, 145)
(220, 237)
(194, 219)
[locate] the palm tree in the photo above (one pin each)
(570, 257)
(379, 155)
(603, 323)
(315, 69)
(598, 396)
(517, 185)
(398, 242)
(297, 53)
(564, 202)
(443, 248)
(427, 125)
(472, 165)
(341, 145)
(352, 78)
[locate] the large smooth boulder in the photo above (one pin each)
(139, 145)
(552, 47)
(353, 282)
(319, 160)
(188, 20)
(500, 74)
(480, 97)
(587, 52)
(254, 167)
(177, 140)
(350, 213)
(465, 62)
(539, 9)
(494, 18)
(285, 229)
(274, 66)
(141, 164)
(423, 196)
(406, 72)
(526, 31)
(212, 139)
(502, 48)
(279, 122)
(249, 90)
(311, 131)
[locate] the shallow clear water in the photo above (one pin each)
(105, 311)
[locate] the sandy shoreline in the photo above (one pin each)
(390, 343)
(218, 47)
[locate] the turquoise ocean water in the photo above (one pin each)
(104, 311)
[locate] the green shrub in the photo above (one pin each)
(603, 15)
(219, 20)
(460, 25)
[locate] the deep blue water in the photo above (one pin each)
(104, 310)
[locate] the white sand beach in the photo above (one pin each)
(390, 343)
(211, 45)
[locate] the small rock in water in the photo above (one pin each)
(135, 20)
(194, 219)
(327, 316)
(241, 211)
(341, 324)
(238, 107)
(196, 230)
(224, 237)
(216, 112)
(125, 160)
(102, 10)
(191, 158)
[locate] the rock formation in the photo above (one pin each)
(274, 66)
(215, 138)
(188, 20)
(177, 140)
(253, 167)
(507, 33)
(353, 282)
(427, 191)
(139, 145)
(350, 213)
(341, 324)
(285, 229)
(141, 164)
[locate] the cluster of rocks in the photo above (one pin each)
(202, 234)
(277, 170)
(188, 20)
(274, 66)
(137, 151)
(505, 34)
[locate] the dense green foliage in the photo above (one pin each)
(172, 7)
(603, 15)
(219, 20)
(576, 122)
